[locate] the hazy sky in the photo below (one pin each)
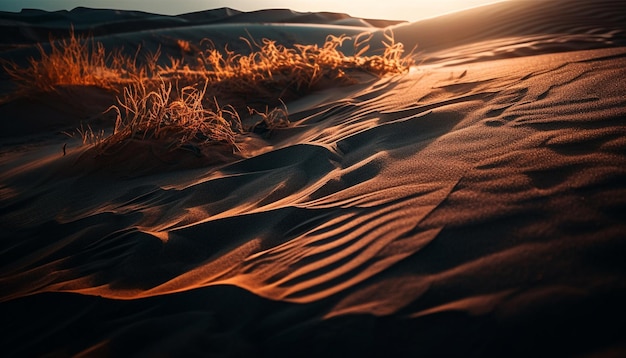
(410, 10)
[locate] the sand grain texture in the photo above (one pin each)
(474, 206)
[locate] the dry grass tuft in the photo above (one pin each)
(152, 107)
(76, 60)
(88, 135)
(270, 66)
(277, 70)
(178, 117)
(270, 119)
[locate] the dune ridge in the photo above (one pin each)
(473, 206)
(516, 28)
(104, 22)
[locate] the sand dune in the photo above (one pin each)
(517, 28)
(471, 207)
(32, 25)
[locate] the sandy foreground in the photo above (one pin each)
(475, 206)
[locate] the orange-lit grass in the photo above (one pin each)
(275, 68)
(89, 136)
(270, 119)
(150, 109)
(176, 115)
(75, 60)
(82, 61)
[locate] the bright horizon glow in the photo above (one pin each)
(373, 9)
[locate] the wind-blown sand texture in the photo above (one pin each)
(474, 206)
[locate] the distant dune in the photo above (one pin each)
(473, 206)
(30, 26)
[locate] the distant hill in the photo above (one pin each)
(30, 25)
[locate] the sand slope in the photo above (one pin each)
(472, 207)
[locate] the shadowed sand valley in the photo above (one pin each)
(473, 205)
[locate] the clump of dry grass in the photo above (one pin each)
(275, 69)
(88, 135)
(151, 107)
(76, 60)
(176, 115)
(91, 137)
(270, 119)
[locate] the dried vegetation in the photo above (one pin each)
(178, 102)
